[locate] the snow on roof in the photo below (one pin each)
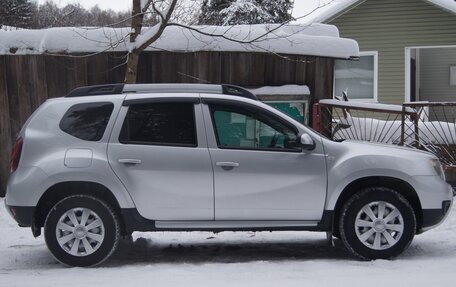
(337, 7)
(298, 39)
(282, 90)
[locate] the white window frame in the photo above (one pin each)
(370, 100)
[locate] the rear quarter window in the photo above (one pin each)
(87, 121)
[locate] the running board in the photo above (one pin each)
(232, 224)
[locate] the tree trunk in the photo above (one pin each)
(132, 67)
(136, 25)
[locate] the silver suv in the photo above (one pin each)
(105, 161)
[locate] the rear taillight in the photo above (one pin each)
(16, 154)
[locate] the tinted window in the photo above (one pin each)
(238, 127)
(160, 123)
(87, 121)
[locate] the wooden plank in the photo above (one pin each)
(167, 62)
(12, 63)
(55, 76)
(323, 78)
(145, 66)
(242, 69)
(41, 76)
(184, 74)
(33, 82)
(310, 75)
(25, 105)
(226, 68)
(117, 67)
(5, 127)
(216, 67)
(300, 70)
(257, 77)
(152, 70)
(269, 72)
(203, 67)
(97, 70)
(209, 68)
(283, 70)
(76, 73)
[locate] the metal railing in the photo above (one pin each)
(425, 126)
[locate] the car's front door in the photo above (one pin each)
(158, 149)
(259, 172)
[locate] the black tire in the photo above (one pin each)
(101, 247)
(357, 238)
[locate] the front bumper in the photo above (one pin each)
(22, 214)
(436, 198)
(433, 217)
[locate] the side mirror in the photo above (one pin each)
(307, 142)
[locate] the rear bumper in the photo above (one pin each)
(22, 214)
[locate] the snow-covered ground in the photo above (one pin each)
(229, 259)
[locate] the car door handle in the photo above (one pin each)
(227, 165)
(132, 161)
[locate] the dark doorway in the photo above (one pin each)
(412, 80)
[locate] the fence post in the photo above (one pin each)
(416, 119)
(316, 117)
(402, 126)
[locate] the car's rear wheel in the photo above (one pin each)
(377, 223)
(81, 230)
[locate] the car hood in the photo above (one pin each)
(386, 148)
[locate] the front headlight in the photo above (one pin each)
(438, 168)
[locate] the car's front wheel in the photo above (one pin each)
(81, 230)
(377, 223)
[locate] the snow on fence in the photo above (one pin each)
(426, 126)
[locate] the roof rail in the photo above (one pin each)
(238, 91)
(160, 88)
(97, 90)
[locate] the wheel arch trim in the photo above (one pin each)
(64, 189)
(397, 184)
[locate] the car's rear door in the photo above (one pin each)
(158, 149)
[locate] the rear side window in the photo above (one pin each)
(170, 124)
(87, 121)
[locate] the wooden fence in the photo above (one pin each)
(27, 81)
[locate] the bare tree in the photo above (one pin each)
(150, 18)
(138, 41)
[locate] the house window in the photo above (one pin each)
(358, 78)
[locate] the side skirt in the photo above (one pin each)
(135, 222)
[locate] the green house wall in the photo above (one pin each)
(389, 26)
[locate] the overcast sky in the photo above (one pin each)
(301, 6)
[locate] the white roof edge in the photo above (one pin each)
(447, 5)
(339, 7)
(342, 6)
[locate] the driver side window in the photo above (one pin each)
(245, 128)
